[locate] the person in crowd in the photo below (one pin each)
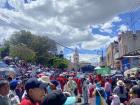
(99, 95)
(76, 89)
(90, 89)
(85, 90)
(79, 86)
(108, 90)
(58, 98)
(56, 84)
(138, 83)
(4, 90)
(20, 90)
(62, 80)
(121, 91)
(12, 94)
(135, 95)
(71, 86)
(51, 85)
(128, 86)
(115, 100)
(35, 90)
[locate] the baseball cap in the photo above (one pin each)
(34, 83)
(54, 82)
(14, 83)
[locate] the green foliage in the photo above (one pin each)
(40, 45)
(23, 52)
(60, 63)
(4, 51)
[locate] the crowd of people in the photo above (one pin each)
(67, 88)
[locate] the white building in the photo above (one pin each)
(129, 45)
(76, 59)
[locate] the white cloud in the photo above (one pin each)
(66, 21)
(116, 19)
(6, 32)
(107, 26)
(89, 58)
(123, 28)
(99, 41)
(95, 26)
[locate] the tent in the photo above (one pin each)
(87, 68)
(103, 71)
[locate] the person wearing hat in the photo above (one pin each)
(56, 84)
(58, 98)
(35, 90)
(12, 93)
(50, 85)
(121, 91)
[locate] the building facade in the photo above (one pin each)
(129, 47)
(111, 53)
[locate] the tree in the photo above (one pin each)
(23, 52)
(60, 63)
(41, 45)
(4, 50)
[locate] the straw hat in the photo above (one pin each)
(45, 79)
(120, 83)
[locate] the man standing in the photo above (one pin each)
(85, 91)
(108, 90)
(35, 90)
(4, 90)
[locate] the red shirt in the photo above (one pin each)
(27, 101)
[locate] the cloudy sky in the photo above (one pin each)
(89, 25)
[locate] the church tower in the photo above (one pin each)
(76, 59)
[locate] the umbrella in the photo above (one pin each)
(103, 71)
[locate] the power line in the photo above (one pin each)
(131, 14)
(19, 25)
